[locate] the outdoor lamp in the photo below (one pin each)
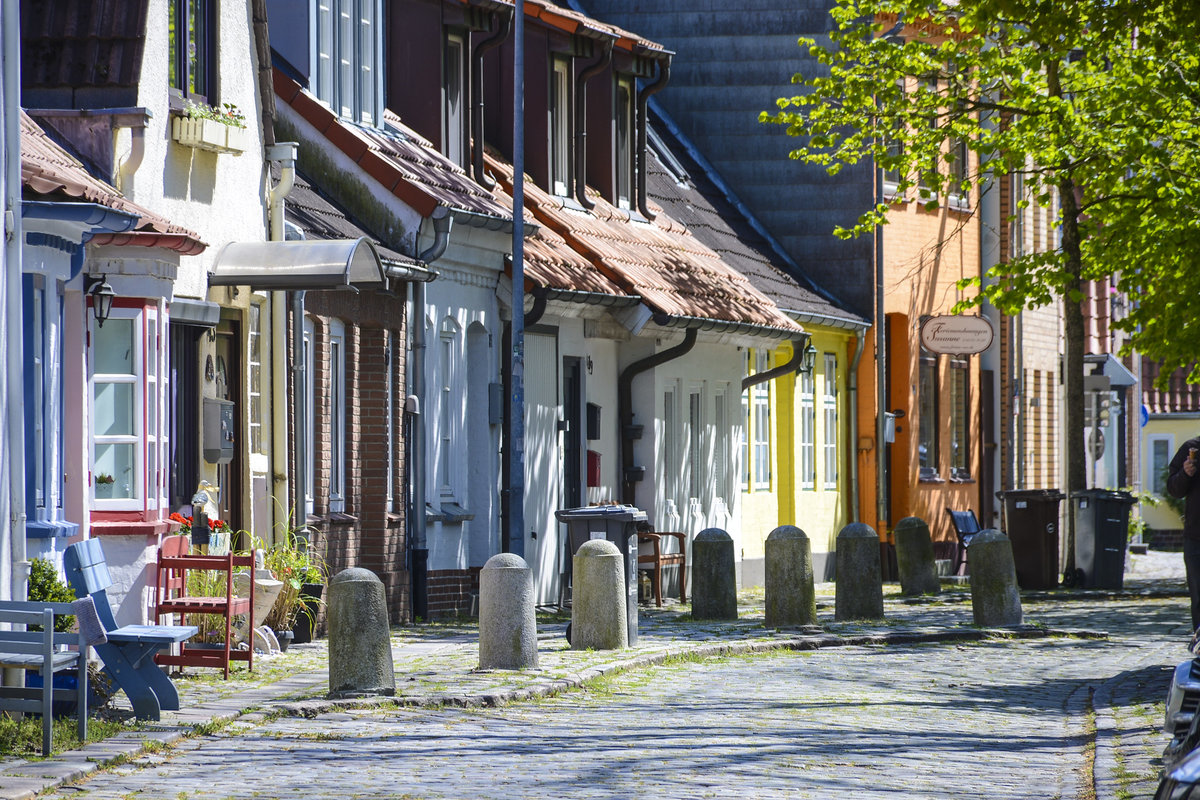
(102, 295)
(810, 359)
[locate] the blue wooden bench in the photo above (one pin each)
(42, 652)
(128, 655)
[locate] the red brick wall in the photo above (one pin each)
(366, 534)
(450, 591)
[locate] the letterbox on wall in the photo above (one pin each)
(218, 430)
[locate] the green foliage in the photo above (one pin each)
(44, 584)
(294, 561)
(227, 114)
(1095, 104)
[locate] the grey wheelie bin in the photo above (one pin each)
(617, 524)
(1101, 534)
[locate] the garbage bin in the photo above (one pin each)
(1031, 523)
(617, 524)
(1101, 534)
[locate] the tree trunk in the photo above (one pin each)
(1075, 472)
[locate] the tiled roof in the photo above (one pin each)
(571, 21)
(82, 43)
(321, 219)
(694, 199)
(48, 169)
(661, 262)
(404, 162)
(549, 260)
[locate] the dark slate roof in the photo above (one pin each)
(82, 43)
(687, 191)
(320, 218)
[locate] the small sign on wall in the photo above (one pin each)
(953, 334)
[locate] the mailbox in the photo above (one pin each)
(218, 430)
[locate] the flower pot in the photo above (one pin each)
(303, 627)
(104, 491)
(284, 638)
(208, 134)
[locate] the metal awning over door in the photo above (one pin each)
(299, 265)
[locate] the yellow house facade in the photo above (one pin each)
(797, 451)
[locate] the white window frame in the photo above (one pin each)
(137, 379)
(697, 457)
(310, 336)
(1154, 483)
(155, 362)
(830, 422)
(559, 120)
(346, 55)
(337, 417)
(255, 348)
(448, 434)
(623, 143)
(455, 139)
(759, 423)
(724, 453)
(671, 441)
(808, 431)
(40, 405)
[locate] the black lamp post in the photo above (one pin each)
(102, 295)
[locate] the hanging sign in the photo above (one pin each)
(956, 335)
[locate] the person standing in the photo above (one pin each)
(1182, 482)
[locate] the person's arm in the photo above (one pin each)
(1179, 477)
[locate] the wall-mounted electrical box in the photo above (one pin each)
(218, 430)
(495, 403)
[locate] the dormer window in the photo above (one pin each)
(560, 127)
(347, 76)
(454, 90)
(623, 185)
(191, 49)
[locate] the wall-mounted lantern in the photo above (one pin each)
(810, 359)
(102, 294)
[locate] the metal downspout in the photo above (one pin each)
(300, 404)
(284, 153)
(625, 405)
(14, 411)
(664, 75)
(799, 345)
(860, 344)
(420, 542)
(599, 65)
(481, 49)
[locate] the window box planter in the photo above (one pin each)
(208, 134)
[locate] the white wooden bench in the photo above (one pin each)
(46, 653)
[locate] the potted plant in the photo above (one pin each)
(104, 485)
(294, 562)
(205, 127)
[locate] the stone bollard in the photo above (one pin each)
(859, 588)
(598, 597)
(360, 640)
(995, 599)
(714, 578)
(507, 620)
(914, 558)
(791, 600)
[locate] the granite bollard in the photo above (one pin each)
(914, 558)
(598, 614)
(714, 578)
(790, 599)
(995, 598)
(360, 639)
(507, 619)
(859, 582)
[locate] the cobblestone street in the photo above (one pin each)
(1054, 717)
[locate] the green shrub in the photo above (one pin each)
(44, 584)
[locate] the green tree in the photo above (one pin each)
(1093, 103)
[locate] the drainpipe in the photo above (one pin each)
(137, 152)
(420, 543)
(664, 75)
(15, 417)
(300, 404)
(599, 65)
(285, 153)
(799, 345)
(860, 343)
(625, 405)
(481, 49)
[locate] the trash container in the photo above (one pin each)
(617, 524)
(1101, 534)
(1031, 523)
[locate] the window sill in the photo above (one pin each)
(961, 477)
(959, 203)
(339, 518)
(930, 477)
